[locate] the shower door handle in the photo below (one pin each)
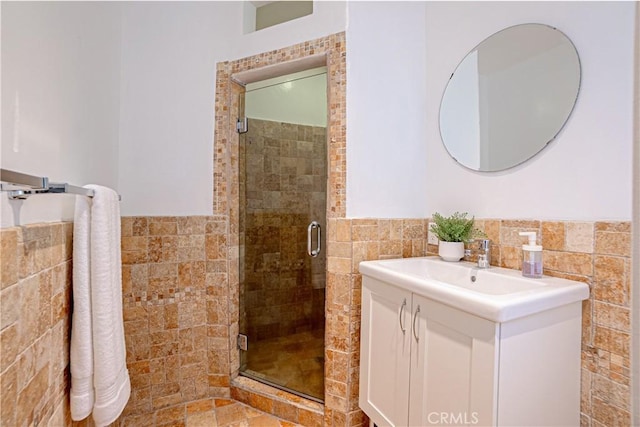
(313, 226)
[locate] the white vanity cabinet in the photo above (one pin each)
(427, 363)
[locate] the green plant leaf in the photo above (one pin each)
(455, 228)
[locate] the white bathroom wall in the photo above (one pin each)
(586, 172)
(63, 60)
(60, 100)
(386, 98)
(170, 51)
(169, 56)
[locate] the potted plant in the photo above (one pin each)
(452, 232)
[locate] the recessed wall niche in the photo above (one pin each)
(258, 15)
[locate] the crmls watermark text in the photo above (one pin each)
(453, 418)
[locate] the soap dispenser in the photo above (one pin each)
(531, 256)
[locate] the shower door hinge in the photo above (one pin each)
(243, 342)
(242, 124)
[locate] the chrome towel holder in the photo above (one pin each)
(20, 186)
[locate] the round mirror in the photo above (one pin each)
(509, 97)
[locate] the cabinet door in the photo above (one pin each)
(384, 353)
(453, 366)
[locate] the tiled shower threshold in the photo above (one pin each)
(278, 402)
(256, 376)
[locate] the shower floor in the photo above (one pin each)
(295, 362)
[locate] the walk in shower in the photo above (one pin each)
(283, 193)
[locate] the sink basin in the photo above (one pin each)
(496, 294)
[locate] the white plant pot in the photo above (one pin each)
(451, 251)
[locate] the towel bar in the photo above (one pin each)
(20, 186)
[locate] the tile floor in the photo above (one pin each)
(208, 413)
(229, 413)
(295, 362)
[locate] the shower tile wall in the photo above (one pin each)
(283, 167)
(35, 324)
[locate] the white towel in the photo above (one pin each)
(99, 376)
(81, 354)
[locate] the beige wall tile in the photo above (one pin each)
(612, 316)
(414, 229)
(163, 226)
(9, 306)
(339, 265)
(611, 392)
(610, 281)
(568, 262)
(8, 395)
(585, 391)
(390, 249)
(609, 415)
(336, 365)
(612, 340)
(362, 233)
(618, 227)
(511, 257)
(553, 235)
(339, 249)
(58, 244)
(613, 243)
(608, 268)
(510, 229)
(192, 225)
(32, 395)
(491, 228)
(580, 237)
(343, 230)
(32, 360)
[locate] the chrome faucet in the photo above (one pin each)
(481, 247)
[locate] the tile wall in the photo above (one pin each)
(175, 301)
(177, 316)
(283, 188)
(35, 324)
(599, 254)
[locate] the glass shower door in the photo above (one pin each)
(283, 178)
